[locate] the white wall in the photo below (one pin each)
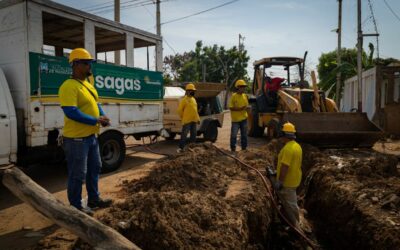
(350, 95)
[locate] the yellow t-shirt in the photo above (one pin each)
(238, 101)
(187, 110)
(73, 94)
(291, 155)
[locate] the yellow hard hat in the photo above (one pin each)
(240, 83)
(80, 54)
(288, 128)
(190, 86)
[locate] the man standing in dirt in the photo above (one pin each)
(238, 105)
(83, 116)
(289, 173)
(187, 110)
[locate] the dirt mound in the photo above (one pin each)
(353, 198)
(201, 199)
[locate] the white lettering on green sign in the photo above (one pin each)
(118, 84)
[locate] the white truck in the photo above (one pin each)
(31, 119)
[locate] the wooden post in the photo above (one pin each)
(87, 228)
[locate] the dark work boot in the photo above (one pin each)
(86, 210)
(101, 203)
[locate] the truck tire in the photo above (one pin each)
(171, 136)
(211, 132)
(254, 129)
(112, 151)
(273, 129)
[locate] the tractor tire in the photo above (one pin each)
(211, 132)
(171, 136)
(112, 151)
(273, 129)
(252, 122)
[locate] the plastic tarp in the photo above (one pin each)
(173, 92)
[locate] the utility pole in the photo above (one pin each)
(204, 72)
(117, 9)
(159, 49)
(241, 40)
(158, 18)
(148, 64)
(360, 38)
(339, 59)
(359, 56)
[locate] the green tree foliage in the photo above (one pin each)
(328, 67)
(219, 64)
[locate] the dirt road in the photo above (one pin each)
(22, 224)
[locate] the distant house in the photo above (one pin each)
(380, 96)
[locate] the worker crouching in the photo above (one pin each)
(187, 110)
(289, 173)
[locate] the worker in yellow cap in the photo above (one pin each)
(238, 105)
(187, 110)
(83, 116)
(289, 173)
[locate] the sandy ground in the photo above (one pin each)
(21, 223)
(21, 226)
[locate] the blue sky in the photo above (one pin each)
(270, 28)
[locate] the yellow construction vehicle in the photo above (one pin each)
(316, 117)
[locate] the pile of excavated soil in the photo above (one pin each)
(353, 197)
(205, 200)
(200, 199)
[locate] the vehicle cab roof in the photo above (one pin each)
(279, 61)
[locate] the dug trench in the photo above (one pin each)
(206, 200)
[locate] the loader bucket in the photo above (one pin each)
(334, 130)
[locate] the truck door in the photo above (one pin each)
(7, 123)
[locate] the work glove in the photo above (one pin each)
(270, 172)
(278, 185)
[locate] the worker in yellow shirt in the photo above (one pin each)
(83, 116)
(187, 110)
(238, 105)
(289, 173)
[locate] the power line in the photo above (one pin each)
(106, 5)
(165, 40)
(95, 5)
(390, 8)
(130, 6)
(376, 27)
(201, 12)
(110, 6)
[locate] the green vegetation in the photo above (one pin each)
(328, 68)
(218, 63)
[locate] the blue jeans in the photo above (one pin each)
(242, 125)
(84, 163)
(189, 127)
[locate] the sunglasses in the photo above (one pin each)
(84, 62)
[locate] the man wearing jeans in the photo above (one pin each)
(187, 110)
(289, 173)
(238, 105)
(83, 116)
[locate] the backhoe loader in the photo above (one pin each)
(315, 116)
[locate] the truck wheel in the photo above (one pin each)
(171, 136)
(273, 129)
(112, 151)
(211, 132)
(254, 129)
